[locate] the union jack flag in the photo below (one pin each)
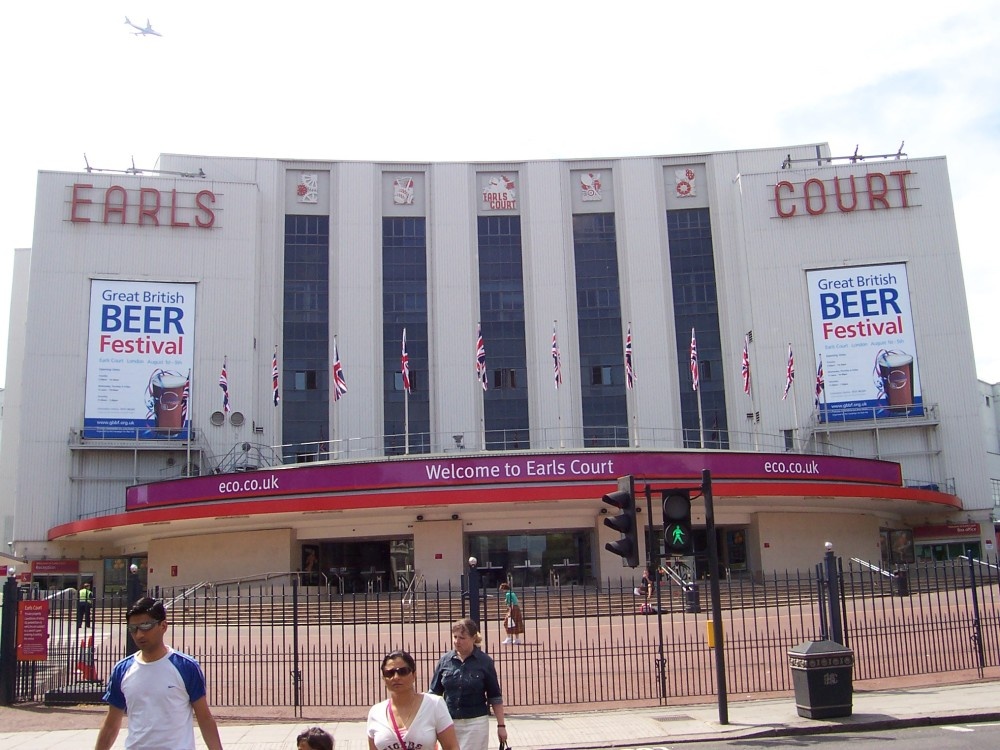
(480, 357)
(185, 398)
(556, 360)
(789, 373)
(746, 365)
(820, 384)
(224, 385)
(274, 376)
(695, 380)
(629, 369)
(339, 381)
(405, 365)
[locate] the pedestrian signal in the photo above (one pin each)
(677, 538)
(627, 547)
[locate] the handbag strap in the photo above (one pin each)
(395, 726)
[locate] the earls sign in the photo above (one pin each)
(872, 191)
(144, 206)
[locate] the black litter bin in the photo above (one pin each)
(823, 679)
(901, 582)
(692, 600)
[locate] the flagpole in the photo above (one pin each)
(753, 399)
(701, 421)
(558, 376)
(406, 399)
(483, 379)
(696, 384)
(631, 398)
(795, 416)
(187, 417)
(333, 396)
(795, 406)
(406, 421)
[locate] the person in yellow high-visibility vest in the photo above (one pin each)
(85, 607)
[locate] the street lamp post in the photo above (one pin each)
(133, 592)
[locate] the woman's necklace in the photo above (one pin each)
(404, 714)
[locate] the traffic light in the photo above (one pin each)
(677, 538)
(627, 547)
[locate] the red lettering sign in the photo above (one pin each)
(881, 191)
(141, 206)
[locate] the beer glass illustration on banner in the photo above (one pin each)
(165, 402)
(895, 376)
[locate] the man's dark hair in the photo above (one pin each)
(147, 606)
(316, 738)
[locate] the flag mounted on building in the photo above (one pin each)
(746, 364)
(186, 400)
(629, 368)
(820, 384)
(339, 381)
(789, 373)
(695, 379)
(556, 359)
(405, 365)
(274, 377)
(481, 357)
(224, 385)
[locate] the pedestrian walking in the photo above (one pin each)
(161, 690)
(85, 606)
(467, 678)
(314, 738)
(513, 620)
(408, 719)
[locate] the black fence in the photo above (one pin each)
(286, 645)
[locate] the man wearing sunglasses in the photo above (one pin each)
(160, 689)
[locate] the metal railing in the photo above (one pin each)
(582, 644)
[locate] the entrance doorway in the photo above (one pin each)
(355, 567)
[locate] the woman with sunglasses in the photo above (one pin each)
(408, 719)
(467, 678)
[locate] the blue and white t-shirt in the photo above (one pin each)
(157, 697)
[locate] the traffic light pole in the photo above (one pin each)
(713, 572)
(653, 570)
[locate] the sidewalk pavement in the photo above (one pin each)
(598, 728)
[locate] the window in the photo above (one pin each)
(505, 378)
(397, 383)
(305, 380)
(600, 375)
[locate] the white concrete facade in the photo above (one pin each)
(777, 215)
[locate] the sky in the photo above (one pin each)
(450, 80)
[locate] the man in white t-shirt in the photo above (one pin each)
(160, 689)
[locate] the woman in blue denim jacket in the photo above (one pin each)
(467, 678)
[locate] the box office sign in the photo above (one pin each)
(139, 359)
(863, 334)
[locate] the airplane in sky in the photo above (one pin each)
(148, 31)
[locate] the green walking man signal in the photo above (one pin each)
(677, 522)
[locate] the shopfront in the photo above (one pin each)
(947, 542)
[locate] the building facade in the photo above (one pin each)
(206, 366)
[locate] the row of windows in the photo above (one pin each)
(501, 308)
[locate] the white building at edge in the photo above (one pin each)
(141, 292)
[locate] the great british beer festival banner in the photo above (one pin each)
(139, 358)
(863, 331)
